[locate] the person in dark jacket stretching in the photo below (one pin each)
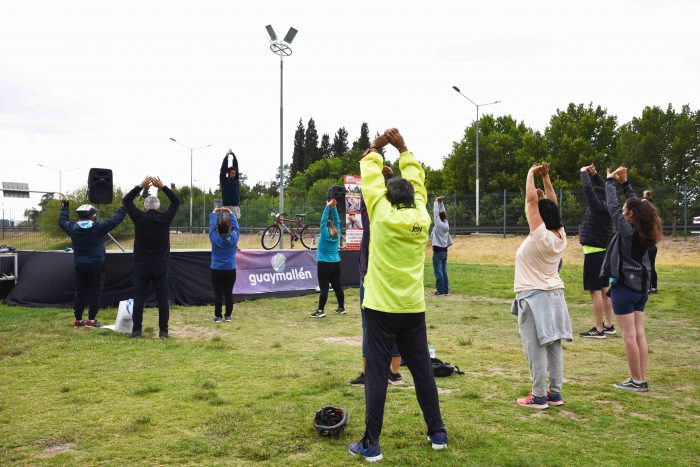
(224, 236)
(594, 234)
(88, 257)
(638, 229)
(230, 184)
(151, 251)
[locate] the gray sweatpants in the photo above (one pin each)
(542, 358)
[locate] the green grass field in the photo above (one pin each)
(244, 393)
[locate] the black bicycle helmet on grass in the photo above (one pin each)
(330, 421)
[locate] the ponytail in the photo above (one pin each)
(332, 230)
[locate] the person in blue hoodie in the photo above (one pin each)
(224, 235)
(328, 260)
(88, 257)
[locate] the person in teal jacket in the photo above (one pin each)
(224, 236)
(328, 260)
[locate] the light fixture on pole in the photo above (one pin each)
(60, 172)
(192, 150)
(477, 146)
(283, 49)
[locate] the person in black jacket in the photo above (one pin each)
(230, 185)
(88, 257)
(594, 233)
(627, 261)
(151, 251)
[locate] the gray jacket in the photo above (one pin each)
(549, 311)
(440, 236)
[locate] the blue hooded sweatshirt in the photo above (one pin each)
(223, 247)
(88, 247)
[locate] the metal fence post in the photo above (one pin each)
(561, 202)
(504, 213)
(685, 212)
(454, 214)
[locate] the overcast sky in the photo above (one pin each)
(106, 84)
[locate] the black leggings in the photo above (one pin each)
(329, 273)
(223, 280)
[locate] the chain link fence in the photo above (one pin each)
(499, 214)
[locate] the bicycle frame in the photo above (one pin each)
(281, 221)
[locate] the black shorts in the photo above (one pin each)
(592, 262)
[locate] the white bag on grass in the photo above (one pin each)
(125, 322)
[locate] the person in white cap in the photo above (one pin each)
(88, 256)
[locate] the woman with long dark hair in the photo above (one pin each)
(328, 260)
(223, 234)
(543, 317)
(627, 261)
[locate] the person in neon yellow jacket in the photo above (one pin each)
(394, 301)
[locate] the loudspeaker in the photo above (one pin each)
(100, 190)
(337, 192)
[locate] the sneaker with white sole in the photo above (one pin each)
(438, 440)
(630, 385)
(395, 378)
(609, 330)
(318, 314)
(227, 319)
(594, 333)
(340, 311)
(359, 381)
(217, 319)
(533, 401)
(92, 323)
(79, 323)
(370, 452)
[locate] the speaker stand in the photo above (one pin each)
(115, 241)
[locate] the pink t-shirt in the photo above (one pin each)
(537, 260)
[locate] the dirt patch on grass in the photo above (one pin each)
(56, 449)
(643, 416)
(349, 340)
(568, 414)
(194, 333)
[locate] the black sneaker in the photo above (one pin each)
(594, 333)
(340, 311)
(136, 334)
(227, 319)
(217, 319)
(92, 323)
(609, 330)
(318, 314)
(359, 381)
(163, 335)
(395, 378)
(630, 385)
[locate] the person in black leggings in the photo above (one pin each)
(224, 235)
(328, 260)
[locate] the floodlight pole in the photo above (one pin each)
(192, 150)
(477, 147)
(283, 49)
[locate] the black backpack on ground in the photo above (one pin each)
(441, 369)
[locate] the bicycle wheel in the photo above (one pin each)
(309, 236)
(271, 237)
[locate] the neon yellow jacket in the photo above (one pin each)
(394, 280)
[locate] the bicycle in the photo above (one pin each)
(308, 234)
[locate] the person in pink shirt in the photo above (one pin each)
(543, 317)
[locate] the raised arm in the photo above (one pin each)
(172, 197)
(548, 188)
(113, 222)
(63, 219)
(614, 205)
(592, 199)
(336, 218)
(438, 207)
(234, 164)
(534, 220)
(373, 188)
(224, 169)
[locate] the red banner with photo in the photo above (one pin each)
(353, 219)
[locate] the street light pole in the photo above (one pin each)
(283, 49)
(477, 146)
(60, 174)
(192, 150)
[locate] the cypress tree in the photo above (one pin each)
(298, 156)
(340, 142)
(311, 152)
